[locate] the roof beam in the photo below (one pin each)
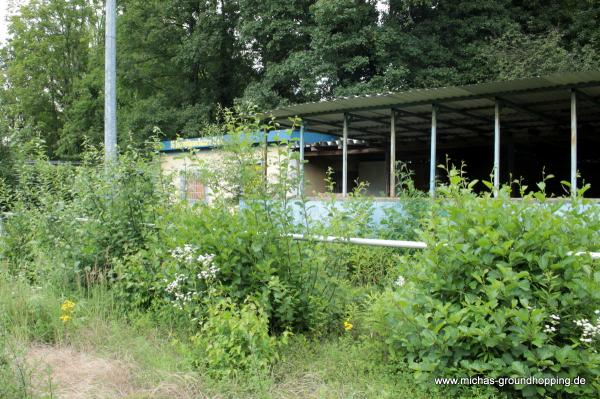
(449, 123)
(527, 110)
(364, 118)
(340, 126)
(385, 121)
(466, 113)
(587, 97)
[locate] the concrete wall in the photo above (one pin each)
(176, 163)
(373, 172)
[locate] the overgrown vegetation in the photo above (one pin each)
(501, 291)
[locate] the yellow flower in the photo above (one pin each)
(65, 318)
(67, 306)
(347, 325)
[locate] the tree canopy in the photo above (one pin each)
(180, 61)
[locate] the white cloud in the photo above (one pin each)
(7, 7)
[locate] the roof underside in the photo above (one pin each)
(541, 105)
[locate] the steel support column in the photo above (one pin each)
(496, 148)
(573, 143)
(432, 158)
(265, 153)
(393, 154)
(301, 161)
(345, 156)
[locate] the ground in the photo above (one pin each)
(67, 373)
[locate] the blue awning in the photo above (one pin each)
(274, 136)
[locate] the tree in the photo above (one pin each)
(275, 36)
(47, 54)
(181, 60)
(343, 46)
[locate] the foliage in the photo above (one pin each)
(236, 247)
(516, 55)
(79, 219)
(235, 338)
(182, 61)
(13, 374)
(49, 53)
(405, 223)
(499, 293)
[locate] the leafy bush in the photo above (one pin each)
(500, 293)
(78, 219)
(243, 255)
(235, 338)
(240, 248)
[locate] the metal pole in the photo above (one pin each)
(432, 164)
(345, 157)
(361, 241)
(496, 148)
(265, 153)
(573, 143)
(110, 82)
(393, 154)
(301, 160)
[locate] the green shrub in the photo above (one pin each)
(80, 219)
(251, 258)
(136, 278)
(499, 293)
(235, 338)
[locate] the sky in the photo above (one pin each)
(3, 4)
(3, 14)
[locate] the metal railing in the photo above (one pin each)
(375, 242)
(391, 243)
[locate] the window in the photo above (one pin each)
(191, 187)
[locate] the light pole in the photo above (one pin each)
(110, 82)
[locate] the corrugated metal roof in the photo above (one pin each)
(442, 94)
(465, 111)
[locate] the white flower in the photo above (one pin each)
(185, 253)
(589, 330)
(549, 329)
(400, 281)
(174, 285)
(205, 259)
(209, 273)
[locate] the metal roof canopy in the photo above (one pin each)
(472, 112)
(463, 111)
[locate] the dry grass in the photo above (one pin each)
(65, 373)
